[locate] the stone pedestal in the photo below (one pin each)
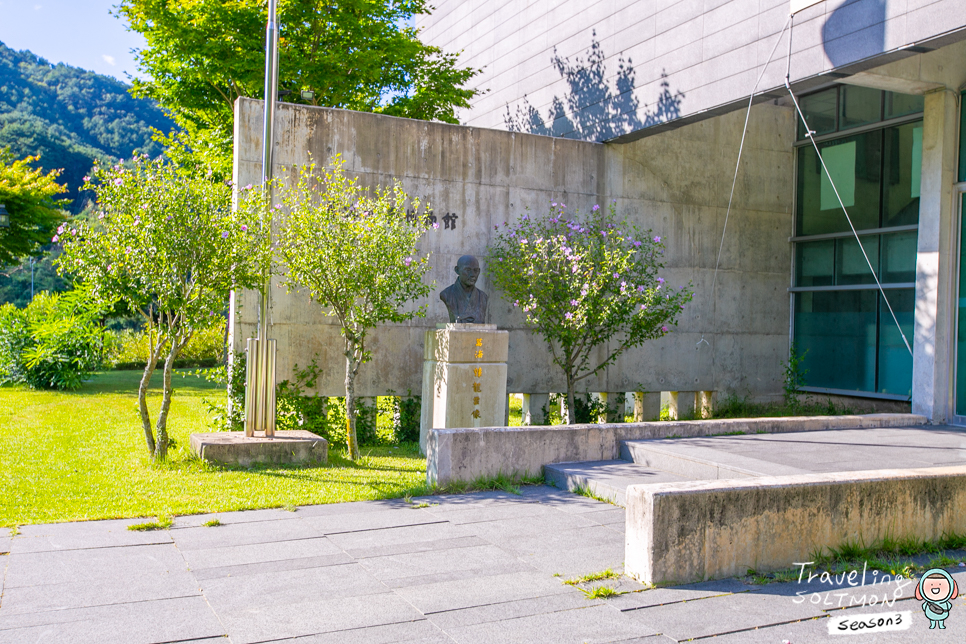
(464, 378)
(294, 447)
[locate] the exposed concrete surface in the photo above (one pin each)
(700, 530)
(294, 447)
(467, 454)
(468, 569)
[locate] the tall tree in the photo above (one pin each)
(353, 54)
(29, 196)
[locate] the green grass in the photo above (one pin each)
(594, 576)
(590, 494)
(600, 592)
(67, 456)
(214, 523)
(163, 523)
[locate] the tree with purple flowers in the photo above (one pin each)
(585, 281)
(169, 245)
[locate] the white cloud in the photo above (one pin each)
(108, 59)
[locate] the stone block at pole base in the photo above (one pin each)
(290, 447)
(464, 378)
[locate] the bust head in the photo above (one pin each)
(468, 269)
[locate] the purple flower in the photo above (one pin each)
(60, 229)
(553, 204)
(637, 244)
(137, 222)
(278, 206)
(55, 238)
(408, 261)
(573, 302)
(523, 241)
(640, 288)
(73, 231)
(127, 250)
(569, 316)
(435, 225)
(595, 208)
(517, 303)
(643, 306)
(616, 275)
(244, 228)
(682, 307)
(664, 329)
(100, 216)
(573, 269)
(119, 181)
(660, 280)
(563, 205)
(248, 187)
(224, 235)
(86, 179)
(657, 240)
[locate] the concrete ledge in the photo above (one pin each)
(294, 447)
(468, 454)
(698, 530)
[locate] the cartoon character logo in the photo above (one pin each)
(936, 590)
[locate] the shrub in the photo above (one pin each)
(54, 343)
(129, 349)
(405, 417)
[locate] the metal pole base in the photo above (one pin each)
(260, 387)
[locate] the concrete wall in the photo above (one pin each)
(676, 183)
(711, 51)
(697, 530)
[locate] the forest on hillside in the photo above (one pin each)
(70, 117)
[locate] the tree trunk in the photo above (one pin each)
(161, 428)
(571, 408)
(154, 353)
(350, 405)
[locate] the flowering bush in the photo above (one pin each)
(169, 246)
(583, 282)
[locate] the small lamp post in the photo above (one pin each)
(4, 217)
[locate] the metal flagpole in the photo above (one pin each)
(260, 376)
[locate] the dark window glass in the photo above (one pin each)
(962, 140)
(859, 106)
(854, 164)
(961, 331)
(902, 104)
(898, 257)
(838, 331)
(902, 155)
(895, 363)
(820, 110)
(815, 262)
(850, 264)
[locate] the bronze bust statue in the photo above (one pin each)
(466, 303)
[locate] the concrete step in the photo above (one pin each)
(701, 459)
(606, 480)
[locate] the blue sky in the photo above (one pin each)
(81, 33)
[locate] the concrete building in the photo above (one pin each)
(641, 104)
(663, 84)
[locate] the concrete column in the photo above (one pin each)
(704, 403)
(506, 411)
(602, 397)
(616, 413)
(934, 333)
(679, 403)
(533, 406)
(647, 405)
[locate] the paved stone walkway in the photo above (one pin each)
(474, 568)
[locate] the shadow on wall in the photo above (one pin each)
(591, 110)
(854, 31)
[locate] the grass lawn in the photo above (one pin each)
(67, 456)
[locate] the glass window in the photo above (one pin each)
(859, 106)
(901, 104)
(962, 140)
(961, 330)
(899, 257)
(814, 264)
(854, 164)
(820, 110)
(838, 331)
(902, 156)
(850, 264)
(895, 363)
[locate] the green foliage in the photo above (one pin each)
(70, 117)
(357, 254)
(163, 523)
(227, 416)
(794, 375)
(15, 279)
(405, 417)
(130, 348)
(585, 282)
(201, 55)
(212, 523)
(735, 406)
(299, 410)
(167, 245)
(30, 197)
(53, 343)
(594, 576)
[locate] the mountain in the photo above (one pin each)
(71, 116)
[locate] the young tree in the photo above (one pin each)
(357, 254)
(29, 197)
(584, 282)
(169, 246)
(201, 55)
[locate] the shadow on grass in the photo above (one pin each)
(126, 383)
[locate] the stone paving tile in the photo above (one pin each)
(591, 624)
(363, 541)
(511, 609)
(475, 499)
(568, 552)
(416, 546)
(411, 566)
(84, 535)
(675, 594)
(422, 631)
(361, 521)
(725, 614)
(239, 516)
(352, 507)
(242, 534)
(465, 593)
(262, 621)
(561, 499)
(5, 539)
(66, 566)
(259, 553)
(462, 515)
(136, 587)
(608, 517)
(290, 586)
(165, 620)
(512, 529)
(272, 566)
